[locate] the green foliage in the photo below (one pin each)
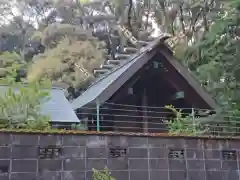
(20, 104)
(78, 127)
(184, 125)
(102, 175)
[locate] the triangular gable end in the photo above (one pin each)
(103, 89)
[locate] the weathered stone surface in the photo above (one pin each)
(24, 152)
(24, 165)
(146, 158)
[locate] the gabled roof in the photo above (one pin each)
(107, 85)
(58, 107)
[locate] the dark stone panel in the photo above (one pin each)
(24, 165)
(177, 175)
(74, 152)
(25, 139)
(137, 153)
(158, 175)
(177, 164)
(196, 175)
(229, 165)
(5, 152)
(96, 153)
(234, 145)
(49, 140)
(96, 164)
(23, 176)
(49, 165)
(73, 175)
(4, 166)
(74, 165)
(4, 176)
(96, 141)
(156, 142)
(195, 164)
(211, 144)
(120, 175)
(77, 140)
(158, 164)
(194, 143)
(212, 154)
(117, 164)
(89, 175)
(223, 144)
(215, 175)
(140, 142)
(176, 143)
(158, 152)
(212, 165)
(139, 175)
(49, 175)
(140, 164)
(230, 175)
(121, 141)
(24, 152)
(194, 154)
(5, 139)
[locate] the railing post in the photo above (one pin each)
(98, 116)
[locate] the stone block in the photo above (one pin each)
(140, 142)
(73, 175)
(194, 154)
(74, 164)
(195, 164)
(49, 165)
(212, 154)
(177, 164)
(196, 175)
(98, 164)
(24, 165)
(5, 139)
(96, 141)
(212, 165)
(24, 152)
(96, 153)
(158, 164)
(156, 142)
(23, 176)
(158, 153)
(4, 166)
(229, 165)
(117, 163)
(50, 140)
(5, 152)
(49, 175)
(120, 175)
(121, 141)
(4, 176)
(178, 175)
(74, 152)
(158, 175)
(138, 164)
(215, 175)
(25, 139)
(194, 143)
(137, 153)
(139, 175)
(76, 140)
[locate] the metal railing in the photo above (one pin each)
(139, 119)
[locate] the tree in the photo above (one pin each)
(20, 104)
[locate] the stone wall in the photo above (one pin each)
(127, 157)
